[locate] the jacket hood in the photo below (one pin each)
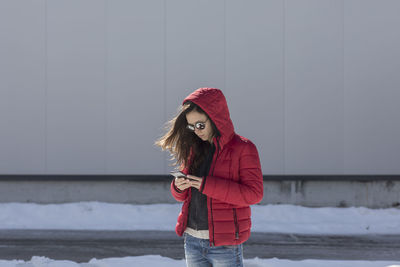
(213, 102)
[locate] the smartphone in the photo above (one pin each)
(179, 174)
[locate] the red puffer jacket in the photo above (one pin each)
(234, 181)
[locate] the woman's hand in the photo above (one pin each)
(195, 182)
(182, 183)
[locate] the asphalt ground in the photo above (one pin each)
(81, 245)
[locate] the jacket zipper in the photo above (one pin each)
(236, 224)
(212, 222)
(212, 217)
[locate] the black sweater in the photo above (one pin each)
(198, 214)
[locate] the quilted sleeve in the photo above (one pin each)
(248, 190)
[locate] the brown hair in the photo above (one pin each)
(180, 142)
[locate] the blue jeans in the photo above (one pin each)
(198, 253)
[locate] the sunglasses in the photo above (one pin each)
(197, 125)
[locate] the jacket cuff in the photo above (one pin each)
(203, 183)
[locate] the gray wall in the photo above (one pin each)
(86, 86)
(309, 193)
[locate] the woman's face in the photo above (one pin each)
(194, 117)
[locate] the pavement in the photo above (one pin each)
(83, 245)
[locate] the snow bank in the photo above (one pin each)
(152, 260)
(266, 218)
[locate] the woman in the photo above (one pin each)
(223, 177)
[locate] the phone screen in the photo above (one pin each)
(178, 174)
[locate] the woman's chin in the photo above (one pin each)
(203, 138)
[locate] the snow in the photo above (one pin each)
(266, 218)
(155, 260)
